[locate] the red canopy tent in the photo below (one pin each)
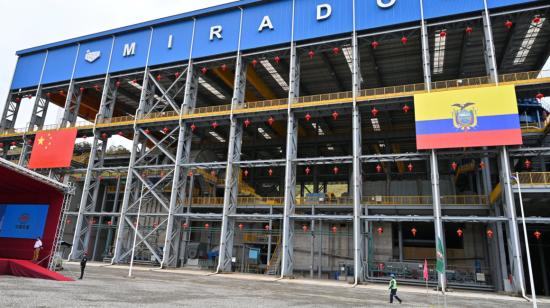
(19, 185)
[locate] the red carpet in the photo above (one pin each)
(25, 268)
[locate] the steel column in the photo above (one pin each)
(438, 224)
(233, 171)
(489, 47)
(179, 182)
(287, 262)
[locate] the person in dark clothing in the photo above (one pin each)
(83, 265)
(393, 289)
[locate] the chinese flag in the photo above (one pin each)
(53, 149)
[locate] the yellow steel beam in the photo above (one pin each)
(260, 86)
(229, 80)
(400, 164)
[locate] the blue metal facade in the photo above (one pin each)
(169, 40)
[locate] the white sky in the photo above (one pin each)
(29, 23)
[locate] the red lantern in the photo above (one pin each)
(378, 168)
(82, 90)
(459, 232)
(165, 130)
(13, 143)
(134, 81)
(527, 164)
(277, 59)
(177, 74)
(204, 70)
(311, 54)
(454, 166)
(215, 125)
(304, 227)
(247, 123)
(508, 24)
(540, 96)
(245, 173)
(536, 20)
(469, 30)
(410, 167)
(206, 226)
(490, 233)
(267, 228)
(414, 231)
(121, 134)
(68, 221)
(335, 51)
(335, 115)
(190, 173)
(443, 34)
(18, 99)
(61, 92)
(308, 170)
(308, 117)
(404, 40)
(537, 234)
(185, 225)
(241, 226)
(104, 136)
(270, 121)
(1, 144)
(380, 230)
(481, 165)
(223, 67)
(254, 62)
(406, 109)
(109, 223)
(193, 127)
(374, 44)
(270, 172)
(147, 131)
(29, 141)
(335, 170)
(117, 84)
(374, 112)
(159, 77)
(98, 88)
(213, 173)
(48, 95)
(334, 229)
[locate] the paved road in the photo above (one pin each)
(109, 287)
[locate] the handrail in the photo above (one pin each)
(534, 178)
(319, 99)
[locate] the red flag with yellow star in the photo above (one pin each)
(53, 149)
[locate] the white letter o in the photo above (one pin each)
(386, 5)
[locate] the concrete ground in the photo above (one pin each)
(108, 286)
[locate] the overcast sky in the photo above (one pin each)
(29, 23)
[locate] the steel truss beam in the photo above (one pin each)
(232, 173)
(38, 117)
(92, 181)
(72, 105)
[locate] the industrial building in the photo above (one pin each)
(278, 137)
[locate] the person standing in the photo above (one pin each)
(83, 265)
(393, 289)
(37, 248)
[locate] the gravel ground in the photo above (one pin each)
(110, 287)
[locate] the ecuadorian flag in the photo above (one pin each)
(486, 116)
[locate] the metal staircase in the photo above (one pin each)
(60, 230)
(274, 264)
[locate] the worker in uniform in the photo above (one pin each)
(83, 262)
(393, 289)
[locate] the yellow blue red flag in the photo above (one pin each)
(486, 116)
